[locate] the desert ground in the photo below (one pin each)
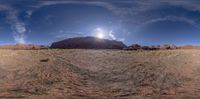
(99, 74)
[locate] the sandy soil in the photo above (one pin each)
(99, 74)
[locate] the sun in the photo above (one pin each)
(99, 33)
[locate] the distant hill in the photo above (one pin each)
(190, 47)
(160, 47)
(88, 43)
(153, 47)
(24, 47)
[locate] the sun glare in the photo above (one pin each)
(99, 33)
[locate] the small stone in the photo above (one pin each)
(44, 60)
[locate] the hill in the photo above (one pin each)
(88, 43)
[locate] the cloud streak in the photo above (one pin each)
(134, 8)
(62, 34)
(17, 26)
(170, 18)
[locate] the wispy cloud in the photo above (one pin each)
(170, 18)
(134, 8)
(62, 34)
(17, 26)
(124, 7)
(112, 36)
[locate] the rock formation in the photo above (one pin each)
(88, 43)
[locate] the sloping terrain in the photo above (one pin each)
(99, 74)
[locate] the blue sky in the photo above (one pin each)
(146, 22)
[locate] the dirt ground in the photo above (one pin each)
(99, 74)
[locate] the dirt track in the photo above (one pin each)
(91, 74)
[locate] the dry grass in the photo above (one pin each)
(85, 74)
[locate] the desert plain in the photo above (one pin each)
(99, 74)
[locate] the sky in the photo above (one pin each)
(145, 22)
